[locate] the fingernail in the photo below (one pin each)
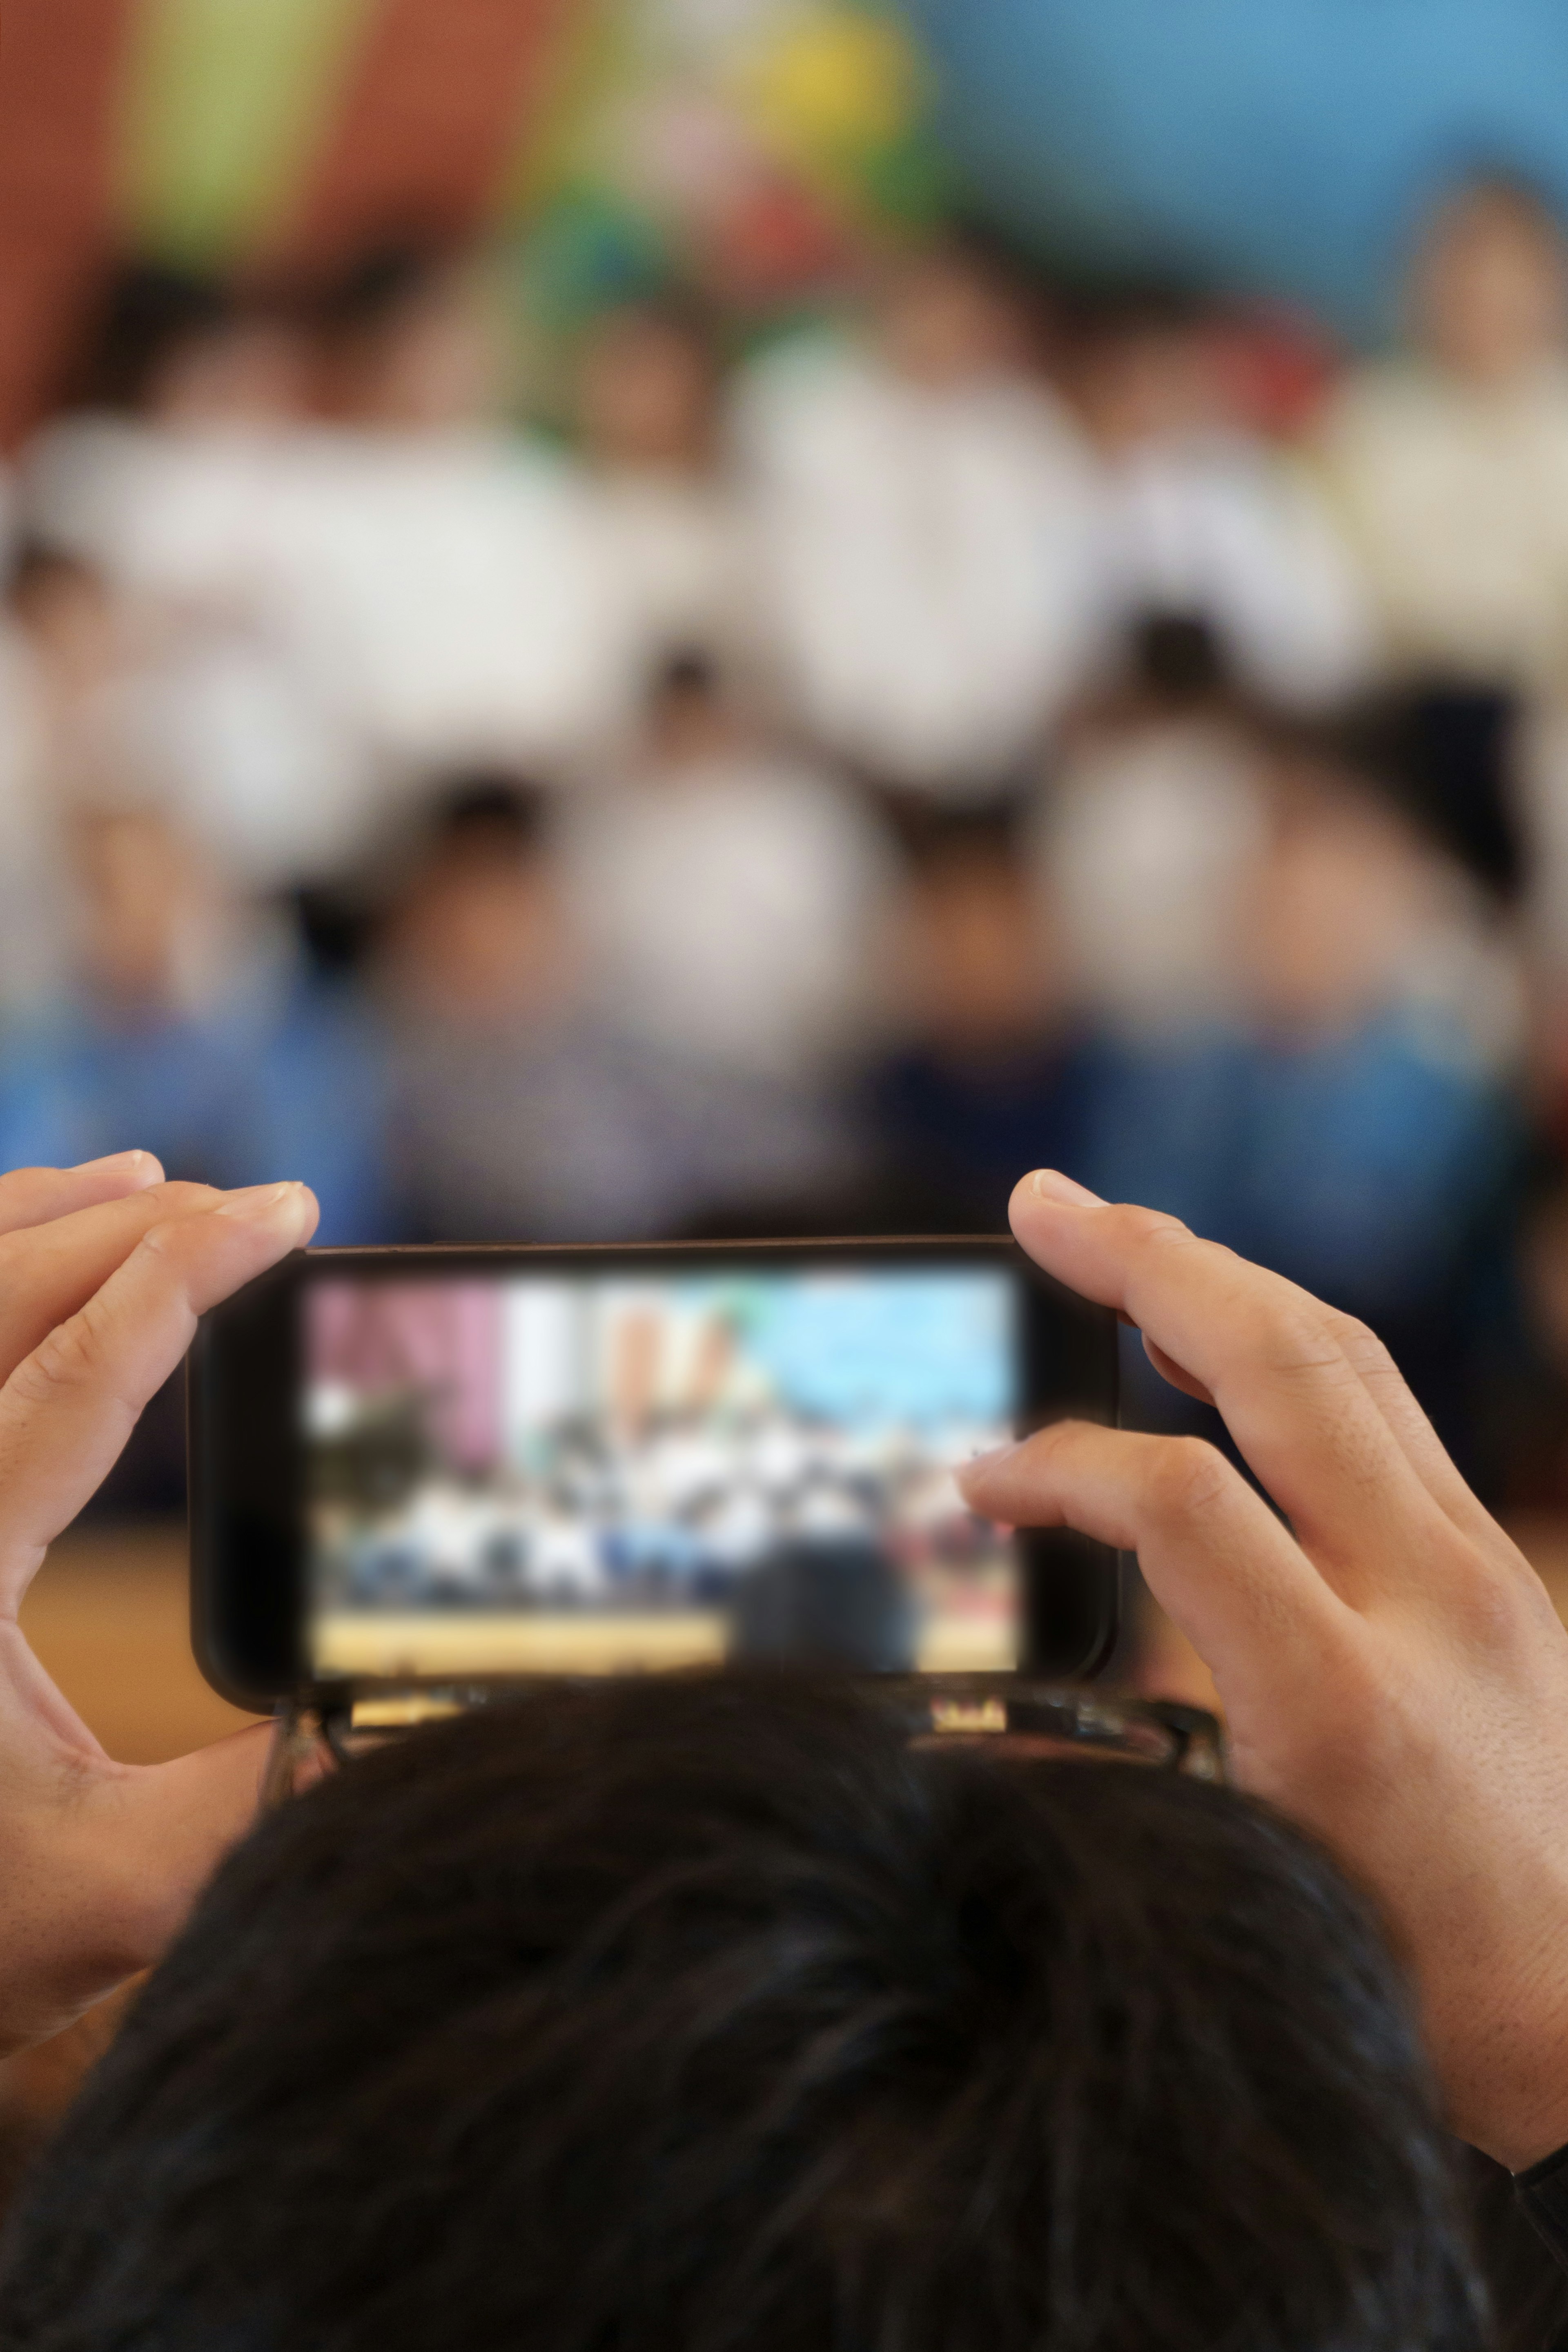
(265, 1204)
(1061, 1191)
(132, 1163)
(992, 1455)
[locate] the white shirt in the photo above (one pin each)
(731, 909)
(679, 566)
(445, 588)
(1221, 526)
(931, 559)
(33, 887)
(1455, 499)
(1145, 849)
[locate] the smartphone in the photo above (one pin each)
(447, 1466)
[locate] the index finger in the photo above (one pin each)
(32, 1196)
(1270, 1356)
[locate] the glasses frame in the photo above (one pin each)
(1009, 1714)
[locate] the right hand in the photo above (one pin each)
(1392, 1670)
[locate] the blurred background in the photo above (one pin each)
(701, 617)
(679, 618)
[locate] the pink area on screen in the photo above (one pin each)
(443, 1339)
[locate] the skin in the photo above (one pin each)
(103, 1271)
(1393, 1673)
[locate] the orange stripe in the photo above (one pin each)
(61, 67)
(429, 121)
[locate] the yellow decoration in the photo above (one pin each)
(831, 86)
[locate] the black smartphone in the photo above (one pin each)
(446, 1465)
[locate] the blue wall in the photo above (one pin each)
(1283, 145)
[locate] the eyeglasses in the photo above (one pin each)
(1006, 1715)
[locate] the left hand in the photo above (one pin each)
(103, 1272)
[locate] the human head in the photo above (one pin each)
(1143, 368)
(950, 316)
(978, 970)
(478, 934)
(1339, 898)
(185, 350)
(1489, 285)
(64, 608)
(691, 717)
(155, 924)
(647, 387)
(712, 2014)
(409, 342)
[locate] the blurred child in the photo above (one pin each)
(992, 1072)
(1450, 466)
(160, 467)
(522, 1109)
(433, 575)
(729, 893)
(189, 1027)
(1204, 519)
(1148, 833)
(673, 540)
(1357, 1135)
(164, 482)
(928, 523)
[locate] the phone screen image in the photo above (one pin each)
(601, 1470)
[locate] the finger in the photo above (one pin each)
(68, 1407)
(121, 1863)
(1176, 1374)
(1269, 1354)
(31, 1196)
(1215, 1557)
(49, 1271)
(1412, 1433)
(1418, 1441)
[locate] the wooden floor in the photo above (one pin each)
(109, 1617)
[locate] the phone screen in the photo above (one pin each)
(601, 1470)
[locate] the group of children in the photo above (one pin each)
(809, 786)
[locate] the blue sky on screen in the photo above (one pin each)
(921, 1348)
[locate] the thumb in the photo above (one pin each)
(164, 1828)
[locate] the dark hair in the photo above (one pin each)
(377, 285)
(38, 566)
(491, 813)
(139, 315)
(712, 2014)
(1441, 753)
(686, 674)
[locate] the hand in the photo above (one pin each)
(103, 1272)
(1392, 1670)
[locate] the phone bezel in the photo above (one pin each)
(246, 1457)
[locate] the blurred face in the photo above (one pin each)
(978, 966)
(945, 323)
(148, 906)
(253, 375)
(434, 364)
(1146, 385)
(647, 394)
(693, 724)
(482, 940)
(1490, 287)
(1334, 908)
(74, 624)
